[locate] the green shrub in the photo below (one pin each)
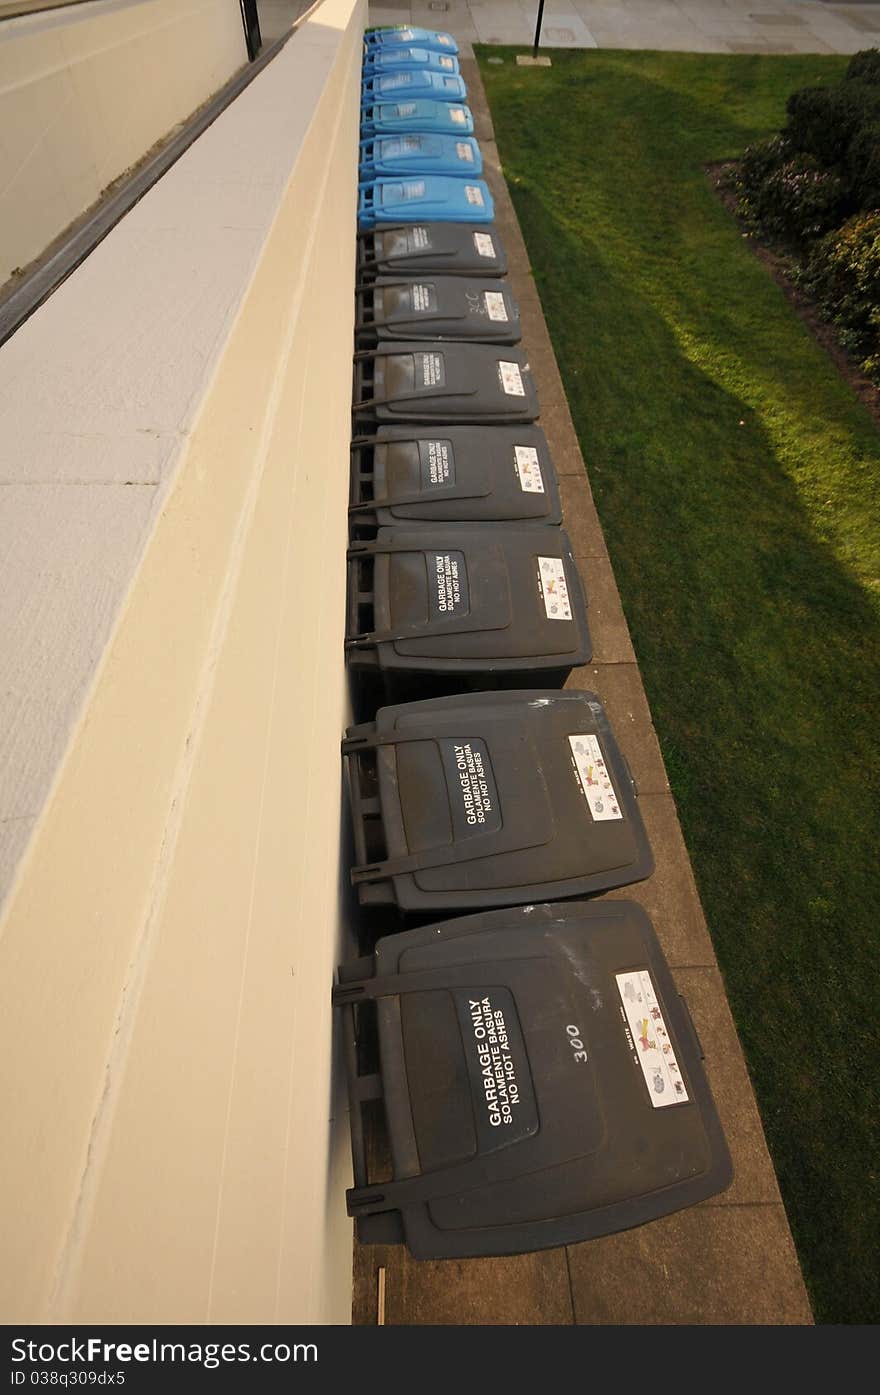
(763, 159)
(843, 274)
(863, 165)
(798, 188)
(789, 197)
(823, 120)
(864, 65)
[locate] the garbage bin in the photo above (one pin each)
(453, 249)
(417, 153)
(427, 306)
(540, 1079)
(436, 382)
(423, 114)
(427, 198)
(419, 82)
(491, 799)
(467, 474)
(405, 35)
(449, 607)
(401, 59)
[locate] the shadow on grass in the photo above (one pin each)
(760, 651)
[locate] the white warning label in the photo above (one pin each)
(511, 379)
(474, 194)
(391, 81)
(468, 771)
(458, 116)
(405, 109)
(554, 588)
(413, 189)
(430, 370)
(448, 576)
(419, 238)
(528, 467)
(594, 779)
(495, 1061)
(484, 244)
(464, 151)
(649, 1039)
(446, 63)
(437, 463)
(422, 297)
(495, 306)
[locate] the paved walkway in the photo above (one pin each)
(731, 1259)
(696, 26)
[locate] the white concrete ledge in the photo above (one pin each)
(103, 387)
(173, 497)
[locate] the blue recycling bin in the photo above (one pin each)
(401, 60)
(415, 118)
(404, 36)
(429, 199)
(393, 157)
(419, 82)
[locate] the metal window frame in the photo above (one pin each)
(36, 286)
(17, 8)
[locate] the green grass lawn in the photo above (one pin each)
(736, 478)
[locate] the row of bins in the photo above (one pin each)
(540, 1078)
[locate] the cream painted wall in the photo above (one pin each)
(179, 1147)
(85, 91)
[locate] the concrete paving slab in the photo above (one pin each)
(753, 1177)
(520, 1290)
(696, 26)
(608, 627)
(670, 894)
(621, 691)
(581, 518)
(757, 47)
(568, 461)
(721, 1264)
(787, 20)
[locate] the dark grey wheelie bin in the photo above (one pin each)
(540, 1079)
(439, 609)
(491, 799)
(457, 474)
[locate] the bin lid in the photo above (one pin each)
(400, 59)
(492, 799)
(425, 152)
(541, 1082)
(427, 306)
(433, 197)
(403, 35)
(462, 474)
(449, 599)
(458, 249)
(417, 114)
(436, 382)
(418, 82)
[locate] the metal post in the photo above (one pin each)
(538, 28)
(251, 21)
